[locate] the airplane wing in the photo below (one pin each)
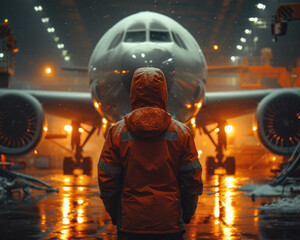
(70, 105)
(225, 105)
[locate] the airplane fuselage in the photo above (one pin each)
(147, 39)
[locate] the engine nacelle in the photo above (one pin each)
(22, 122)
(278, 121)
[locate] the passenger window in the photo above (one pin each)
(135, 36)
(115, 42)
(159, 36)
(178, 40)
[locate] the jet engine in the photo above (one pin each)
(278, 121)
(22, 122)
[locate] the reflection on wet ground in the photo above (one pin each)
(76, 212)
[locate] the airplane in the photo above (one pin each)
(148, 39)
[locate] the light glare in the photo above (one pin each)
(248, 31)
(239, 47)
(261, 6)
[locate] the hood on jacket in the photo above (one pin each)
(148, 99)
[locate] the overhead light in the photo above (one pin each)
(56, 39)
(255, 39)
(67, 58)
(248, 31)
(1, 55)
(243, 40)
(45, 20)
(239, 47)
(133, 56)
(253, 19)
(64, 52)
(261, 6)
(38, 8)
(233, 58)
(143, 55)
(68, 128)
(50, 29)
(48, 70)
(228, 129)
(60, 45)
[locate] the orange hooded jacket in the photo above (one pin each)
(149, 174)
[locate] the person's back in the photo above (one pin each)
(149, 173)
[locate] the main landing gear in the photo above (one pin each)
(215, 162)
(78, 161)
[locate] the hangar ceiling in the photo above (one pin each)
(80, 24)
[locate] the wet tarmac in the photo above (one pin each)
(76, 212)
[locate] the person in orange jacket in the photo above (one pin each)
(149, 174)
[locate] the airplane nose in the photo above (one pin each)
(148, 56)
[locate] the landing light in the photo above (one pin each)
(199, 153)
(188, 105)
(193, 120)
(198, 105)
(96, 105)
(104, 121)
(48, 70)
(68, 128)
(228, 129)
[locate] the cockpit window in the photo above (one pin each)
(156, 36)
(115, 42)
(178, 40)
(139, 36)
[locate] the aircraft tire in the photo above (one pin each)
(230, 165)
(68, 166)
(87, 166)
(210, 165)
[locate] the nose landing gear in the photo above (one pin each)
(212, 162)
(78, 161)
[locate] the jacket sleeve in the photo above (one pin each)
(109, 176)
(190, 180)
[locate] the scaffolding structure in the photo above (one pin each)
(7, 54)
